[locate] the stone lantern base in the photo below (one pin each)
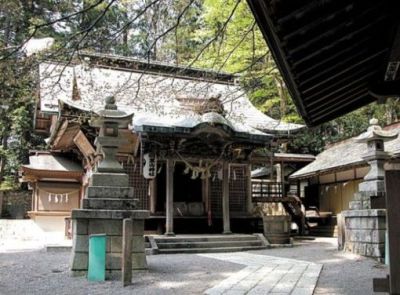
(109, 200)
(365, 232)
(109, 222)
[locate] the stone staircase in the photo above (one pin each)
(323, 231)
(207, 243)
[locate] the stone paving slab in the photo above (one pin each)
(266, 275)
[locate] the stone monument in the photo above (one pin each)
(108, 200)
(365, 222)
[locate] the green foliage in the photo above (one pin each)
(314, 140)
(220, 35)
(237, 46)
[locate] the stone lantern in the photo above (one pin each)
(109, 199)
(365, 222)
(373, 184)
(109, 121)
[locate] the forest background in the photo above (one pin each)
(217, 35)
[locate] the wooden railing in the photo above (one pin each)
(261, 188)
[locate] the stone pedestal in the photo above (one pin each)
(102, 212)
(109, 222)
(365, 232)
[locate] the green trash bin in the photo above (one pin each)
(97, 257)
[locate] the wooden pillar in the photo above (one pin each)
(153, 195)
(37, 196)
(249, 190)
(206, 197)
(225, 198)
(392, 178)
(169, 225)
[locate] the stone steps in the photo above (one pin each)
(324, 231)
(222, 244)
(206, 238)
(209, 250)
(208, 244)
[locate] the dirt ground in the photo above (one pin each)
(40, 272)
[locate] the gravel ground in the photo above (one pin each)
(39, 272)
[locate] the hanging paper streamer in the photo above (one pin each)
(59, 198)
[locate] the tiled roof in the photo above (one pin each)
(345, 153)
(51, 162)
(157, 97)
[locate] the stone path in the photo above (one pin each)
(266, 275)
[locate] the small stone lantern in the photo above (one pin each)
(108, 141)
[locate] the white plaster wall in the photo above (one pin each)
(51, 223)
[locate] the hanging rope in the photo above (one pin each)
(55, 197)
(203, 170)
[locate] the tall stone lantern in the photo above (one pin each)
(109, 199)
(365, 222)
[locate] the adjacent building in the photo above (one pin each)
(331, 181)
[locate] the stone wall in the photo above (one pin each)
(15, 204)
(365, 232)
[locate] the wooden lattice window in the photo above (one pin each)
(139, 183)
(237, 189)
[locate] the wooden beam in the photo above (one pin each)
(343, 8)
(338, 66)
(359, 90)
(338, 77)
(169, 222)
(249, 189)
(385, 89)
(360, 17)
(338, 55)
(392, 178)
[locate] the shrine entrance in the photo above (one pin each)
(188, 192)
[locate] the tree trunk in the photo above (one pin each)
(3, 158)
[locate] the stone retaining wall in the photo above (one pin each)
(15, 204)
(365, 232)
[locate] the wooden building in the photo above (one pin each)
(332, 179)
(56, 185)
(191, 142)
